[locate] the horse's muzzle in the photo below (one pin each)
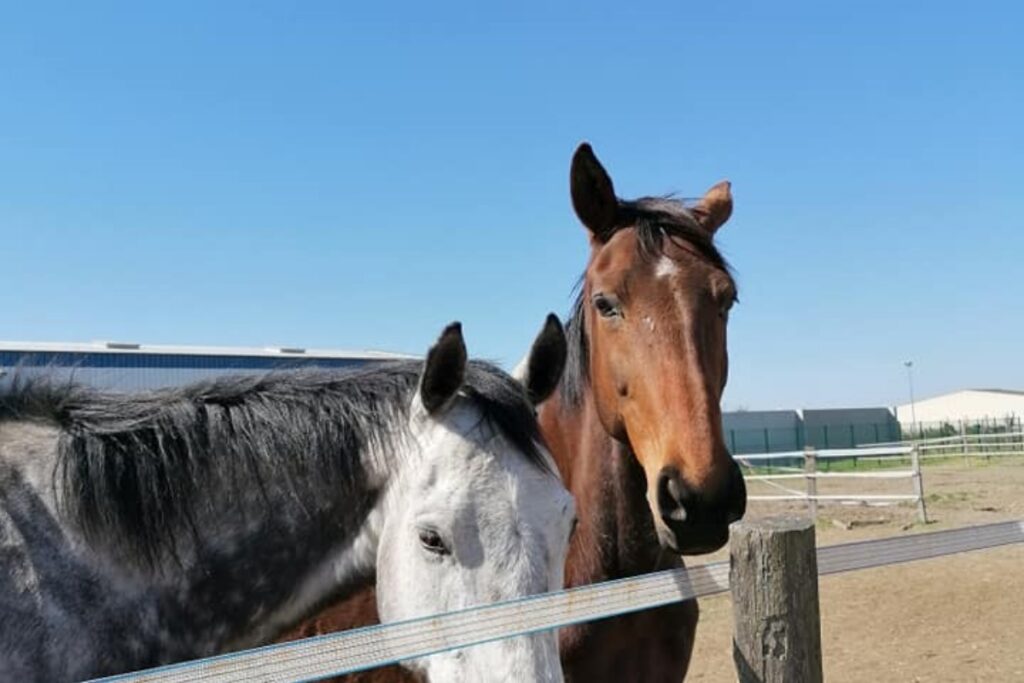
(695, 522)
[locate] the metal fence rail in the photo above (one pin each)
(365, 648)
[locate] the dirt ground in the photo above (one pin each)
(955, 618)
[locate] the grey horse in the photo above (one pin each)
(141, 530)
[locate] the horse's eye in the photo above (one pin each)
(606, 306)
(432, 541)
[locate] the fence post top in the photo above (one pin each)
(775, 523)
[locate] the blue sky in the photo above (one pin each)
(320, 174)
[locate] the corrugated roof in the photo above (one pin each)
(133, 348)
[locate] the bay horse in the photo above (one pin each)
(140, 530)
(635, 426)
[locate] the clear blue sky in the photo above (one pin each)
(327, 174)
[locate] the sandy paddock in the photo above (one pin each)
(956, 618)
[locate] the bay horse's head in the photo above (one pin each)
(650, 324)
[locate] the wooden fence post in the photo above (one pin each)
(773, 576)
(810, 474)
(963, 442)
(915, 465)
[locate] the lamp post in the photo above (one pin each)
(909, 365)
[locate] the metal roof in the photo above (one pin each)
(969, 390)
(244, 351)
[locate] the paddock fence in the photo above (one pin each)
(794, 475)
(783, 470)
(967, 446)
(753, 544)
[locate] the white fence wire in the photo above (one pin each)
(365, 648)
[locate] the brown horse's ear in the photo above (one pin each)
(593, 196)
(546, 362)
(714, 209)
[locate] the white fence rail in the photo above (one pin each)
(974, 446)
(366, 648)
(810, 474)
(966, 445)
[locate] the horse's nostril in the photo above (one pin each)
(671, 496)
(677, 515)
(676, 491)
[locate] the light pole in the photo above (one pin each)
(909, 365)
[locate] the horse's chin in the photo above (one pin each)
(692, 539)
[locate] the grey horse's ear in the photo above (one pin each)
(444, 370)
(593, 196)
(546, 361)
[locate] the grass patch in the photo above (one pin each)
(950, 497)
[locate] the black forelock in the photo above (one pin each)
(658, 218)
(505, 406)
(134, 468)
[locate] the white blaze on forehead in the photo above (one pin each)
(666, 267)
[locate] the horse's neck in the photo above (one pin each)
(242, 590)
(247, 570)
(615, 535)
(253, 570)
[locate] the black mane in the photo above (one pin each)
(133, 469)
(655, 220)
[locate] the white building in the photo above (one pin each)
(968, 405)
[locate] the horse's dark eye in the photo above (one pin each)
(432, 541)
(606, 306)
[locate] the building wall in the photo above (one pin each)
(970, 405)
(774, 431)
(849, 427)
(762, 431)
